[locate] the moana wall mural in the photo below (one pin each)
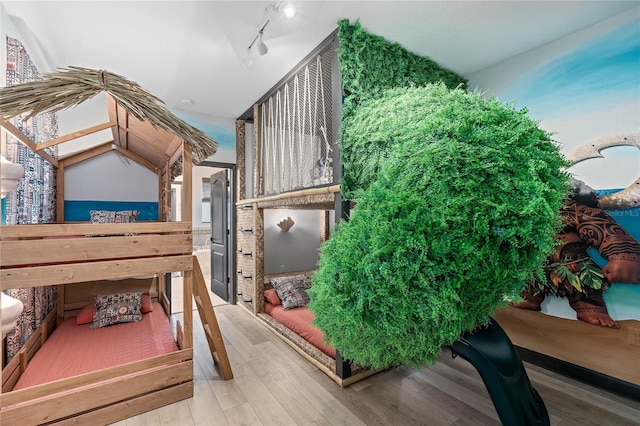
(571, 273)
(585, 90)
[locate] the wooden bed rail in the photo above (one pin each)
(36, 255)
(73, 273)
(113, 388)
(18, 363)
(66, 229)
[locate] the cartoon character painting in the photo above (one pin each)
(571, 272)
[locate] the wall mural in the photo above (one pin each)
(222, 130)
(590, 99)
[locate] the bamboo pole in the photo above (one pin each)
(241, 159)
(300, 193)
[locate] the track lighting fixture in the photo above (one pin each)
(287, 8)
(257, 40)
(262, 48)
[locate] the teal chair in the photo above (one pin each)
(491, 352)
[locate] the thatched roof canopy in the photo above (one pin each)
(155, 135)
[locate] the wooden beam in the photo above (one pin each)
(71, 229)
(119, 134)
(82, 400)
(49, 390)
(187, 183)
(104, 148)
(176, 155)
(60, 193)
(75, 135)
(160, 194)
(123, 134)
(135, 157)
(126, 129)
(85, 155)
(166, 193)
(65, 250)
(302, 192)
(174, 146)
(210, 322)
(169, 193)
(9, 127)
(71, 273)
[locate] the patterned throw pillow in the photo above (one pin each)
(116, 308)
(106, 216)
(292, 290)
(85, 316)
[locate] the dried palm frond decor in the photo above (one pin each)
(71, 86)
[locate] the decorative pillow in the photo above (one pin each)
(85, 316)
(292, 290)
(117, 308)
(106, 216)
(145, 303)
(272, 297)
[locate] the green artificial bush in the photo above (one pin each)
(461, 211)
(370, 65)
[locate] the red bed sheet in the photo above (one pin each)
(299, 321)
(76, 349)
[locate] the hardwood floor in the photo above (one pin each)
(273, 385)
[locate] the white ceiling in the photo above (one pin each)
(197, 50)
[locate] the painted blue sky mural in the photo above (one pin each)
(608, 66)
(225, 135)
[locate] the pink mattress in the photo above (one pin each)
(76, 349)
(299, 321)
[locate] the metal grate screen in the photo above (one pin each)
(295, 131)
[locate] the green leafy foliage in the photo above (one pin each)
(461, 210)
(369, 66)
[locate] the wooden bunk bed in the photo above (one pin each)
(85, 260)
(307, 178)
(61, 254)
(308, 343)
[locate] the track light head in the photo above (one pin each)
(262, 48)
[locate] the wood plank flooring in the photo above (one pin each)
(273, 385)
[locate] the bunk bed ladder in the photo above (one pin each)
(209, 322)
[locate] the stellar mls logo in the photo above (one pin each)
(625, 213)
